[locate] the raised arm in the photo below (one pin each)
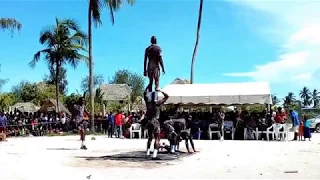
(164, 99)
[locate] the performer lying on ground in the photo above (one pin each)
(78, 116)
(153, 125)
(153, 56)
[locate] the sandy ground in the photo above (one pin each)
(36, 158)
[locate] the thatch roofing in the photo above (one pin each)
(26, 107)
(180, 81)
(51, 105)
(115, 92)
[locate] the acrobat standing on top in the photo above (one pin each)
(152, 63)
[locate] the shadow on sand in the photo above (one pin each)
(62, 149)
(140, 156)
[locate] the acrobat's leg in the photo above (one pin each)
(156, 146)
(149, 142)
(157, 78)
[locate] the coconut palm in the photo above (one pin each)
(275, 100)
(62, 42)
(197, 42)
(94, 16)
(10, 24)
(289, 99)
(315, 98)
(305, 96)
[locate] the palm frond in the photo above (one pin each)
(95, 10)
(79, 38)
(36, 57)
(47, 36)
(10, 24)
(71, 24)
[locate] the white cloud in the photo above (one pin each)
(299, 34)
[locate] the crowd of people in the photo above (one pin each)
(116, 124)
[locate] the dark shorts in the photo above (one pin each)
(168, 126)
(153, 70)
(153, 126)
(82, 125)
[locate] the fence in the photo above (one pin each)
(46, 128)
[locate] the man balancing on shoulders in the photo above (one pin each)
(153, 114)
(152, 62)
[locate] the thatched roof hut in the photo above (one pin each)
(180, 81)
(26, 107)
(51, 105)
(115, 92)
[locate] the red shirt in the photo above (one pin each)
(118, 118)
(280, 117)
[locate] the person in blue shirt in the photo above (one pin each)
(111, 125)
(296, 122)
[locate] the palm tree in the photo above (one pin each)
(275, 100)
(305, 96)
(315, 98)
(63, 41)
(94, 15)
(289, 99)
(197, 42)
(10, 24)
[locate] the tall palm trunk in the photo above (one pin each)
(197, 42)
(90, 68)
(57, 86)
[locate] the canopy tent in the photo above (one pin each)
(219, 94)
(25, 107)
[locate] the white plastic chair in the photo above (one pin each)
(135, 128)
(286, 130)
(228, 128)
(199, 133)
(214, 125)
(259, 133)
(275, 131)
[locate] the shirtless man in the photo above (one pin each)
(153, 114)
(153, 56)
(78, 115)
(179, 129)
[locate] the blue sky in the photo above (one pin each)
(240, 41)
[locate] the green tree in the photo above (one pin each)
(305, 96)
(63, 42)
(94, 16)
(63, 82)
(6, 100)
(10, 24)
(315, 98)
(97, 81)
(32, 92)
(197, 42)
(132, 79)
(289, 99)
(70, 100)
(275, 100)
